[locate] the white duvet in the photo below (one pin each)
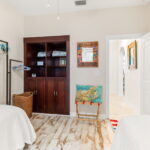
(133, 133)
(15, 128)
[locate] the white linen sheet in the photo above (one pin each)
(133, 133)
(15, 128)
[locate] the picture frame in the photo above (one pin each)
(87, 54)
(132, 56)
(3, 46)
(40, 63)
(62, 61)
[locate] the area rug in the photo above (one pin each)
(114, 124)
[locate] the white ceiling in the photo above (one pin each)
(36, 7)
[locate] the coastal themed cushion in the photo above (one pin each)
(89, 93)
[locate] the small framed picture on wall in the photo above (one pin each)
(3, 46)
(87, 54)
(132, 55)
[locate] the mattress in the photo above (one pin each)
(15, 128)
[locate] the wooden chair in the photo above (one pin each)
(80, 116)
(80, 100)
(96, 117)
(88, 95)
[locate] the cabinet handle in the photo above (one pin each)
(34, 92)
(56, 93)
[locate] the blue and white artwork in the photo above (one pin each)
(132, 55)
(3, 47)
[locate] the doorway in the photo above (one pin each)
(123, 83)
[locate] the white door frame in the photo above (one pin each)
(144, 82)
(108, 38)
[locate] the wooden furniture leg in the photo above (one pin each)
(95, 118)
(77, 110)
(80, 116)
(98, 111)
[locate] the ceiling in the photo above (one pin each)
(37, 7)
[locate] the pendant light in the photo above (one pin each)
(48, 4)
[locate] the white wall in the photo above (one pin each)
(148, 17)
(145, 78)
(89, 26)
(11, 30)
(132, 78)
(114, 67)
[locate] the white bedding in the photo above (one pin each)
(15, 128)
(133, 133)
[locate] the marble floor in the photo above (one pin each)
(56, 132)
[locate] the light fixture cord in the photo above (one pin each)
(58, 8)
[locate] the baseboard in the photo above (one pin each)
(102, 116)
(73, 114)
(47, 114)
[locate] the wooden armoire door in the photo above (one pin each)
(30, 86)
(50, 82)
(40, 94)
(60, 95)
(50, 95)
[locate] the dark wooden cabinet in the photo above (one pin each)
(37, 86)
(40, 94)
(30, 85)
(56, 95)
(50, 95)
(48, 58)
(60, 95)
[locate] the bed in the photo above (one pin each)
(15, 128)
(133, 133)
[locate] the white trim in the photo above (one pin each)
(73, 114)
(115, 37)
(143, 82)
(102, 116)
(124, 36)
(46, 114)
